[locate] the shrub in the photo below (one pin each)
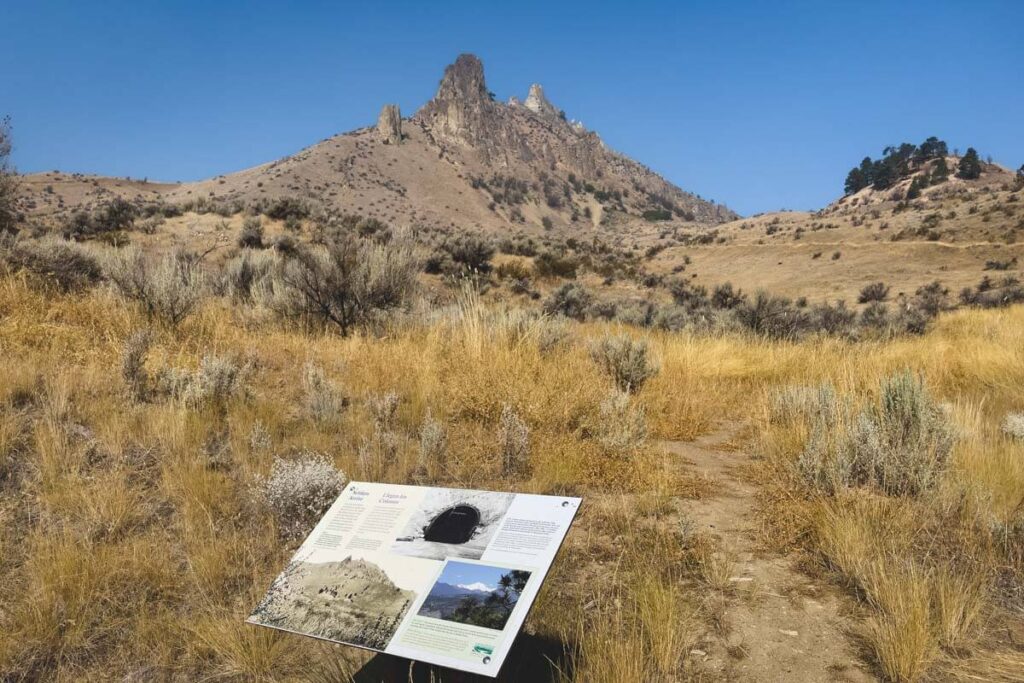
(66, 265)
(876, 291)
(245, 274)
(1013, 425)
(655, 215)
(321, 399)
(915, 436)
(636, 313)
(251, 236)
(932, 298)
(216, 381)
(298, 491)
(628, 362)
(899, 444)
(912, 319)
(384, 409)
(433, 445)
(688, 295)
(168, 290)
(571, 300)
(875, 316)
(287, 207)
(550, 333)
(469, 252)
(622, 425)
(772, 316)
(549, 265)
(119, 214)
(513, 270)
(724, 296)
(151, 224)
(833, 320)
(259, 437)
(133, 364)
(345, 283)
(792, 403)
(513, 442)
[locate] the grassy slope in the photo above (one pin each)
(125, 547)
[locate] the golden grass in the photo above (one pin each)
(125, 547)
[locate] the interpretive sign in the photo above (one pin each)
(444, 576)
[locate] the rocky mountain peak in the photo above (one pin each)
(463, 112)
(538, 103)
(463, 81)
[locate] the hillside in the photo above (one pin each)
(956, 232)
(462, 161)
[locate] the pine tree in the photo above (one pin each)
(855, 181)
(969, 167)
(8, 180)
(916, 185)
(931, 148)
(940, 172)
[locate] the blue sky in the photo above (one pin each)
(473, 576)
(760, 105)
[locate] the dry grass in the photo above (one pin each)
(937, 574)
(130, 542)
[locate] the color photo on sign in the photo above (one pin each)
(475, 594)
(444, 576)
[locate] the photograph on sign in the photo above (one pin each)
(444, 576)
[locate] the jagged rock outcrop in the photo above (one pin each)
(469, 160)
(389, 125)
(538, 103)
(463, 113)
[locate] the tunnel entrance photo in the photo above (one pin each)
(455, 525)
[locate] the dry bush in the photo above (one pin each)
(1013, 425)
(900, 444)
(345, 283)
(299, 490)
(168, 290)
(133, 364)
(621, 424)
(433, 446)
(248, 277)
(571, 300)
(383, 409)
(67, 265)
(322, 400)
(629, 363)
(251, 235)
(513, 442)
(259, 437)
(216, 381)
(876, 291)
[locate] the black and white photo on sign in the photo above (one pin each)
(453, 523)
(356, 598)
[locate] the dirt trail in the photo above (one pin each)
(778, 624)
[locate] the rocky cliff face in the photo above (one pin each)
(532, 137)
(463, 113)
(538, 103)
(389, 125)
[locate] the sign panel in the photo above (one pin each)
(444, 576)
